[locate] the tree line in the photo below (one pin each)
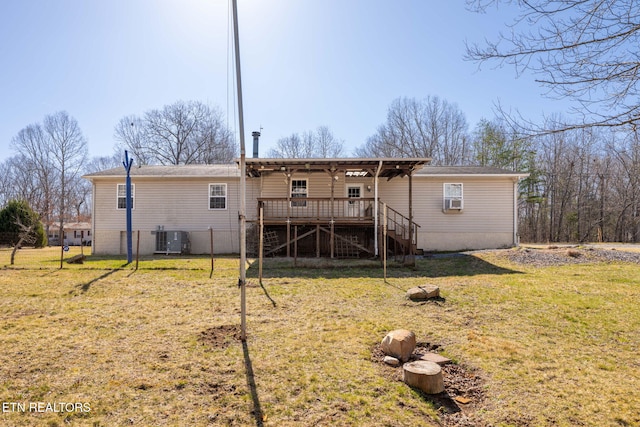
(582, 185)
(583, 172)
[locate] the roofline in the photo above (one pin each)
(372, 160)
(124, 175)
(480, 175)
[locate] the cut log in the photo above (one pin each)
(76, 259)
(423, 375)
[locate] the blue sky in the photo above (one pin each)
(305, 63)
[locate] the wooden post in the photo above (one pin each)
(318, 241)
(412, 258)
(295, 245)
(384, 240)
(261, 245)
(211, 250)
(61, 247)
(138, 250)
(331, 236)
(288, 214)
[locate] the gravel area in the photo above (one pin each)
(552, 256)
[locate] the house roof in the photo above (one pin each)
(485, 171)
(71, 226)
(257, 166)
(385, 167)
(174, 171)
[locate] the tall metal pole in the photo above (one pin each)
(243, 183)
(127, 166)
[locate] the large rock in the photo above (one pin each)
(423, 375)
(399, 344)
(391, 361)
(424, 292)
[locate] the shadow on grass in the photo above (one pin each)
(442, 402)
(267, 295)
(85, 286)
(443, 265)
(251, 383)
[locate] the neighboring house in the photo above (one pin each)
(75, 234)
(317, 207)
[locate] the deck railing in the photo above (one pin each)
(317, 209)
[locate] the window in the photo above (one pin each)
(453, 198)
(217, 196)
(298, 191)
(122, 196)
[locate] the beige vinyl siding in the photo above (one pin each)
(318, 185)
(486, 220)
(180, 204)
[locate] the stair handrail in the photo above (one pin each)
(393, 223)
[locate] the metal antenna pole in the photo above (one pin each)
(243, 183)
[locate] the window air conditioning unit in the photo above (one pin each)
(453, 204)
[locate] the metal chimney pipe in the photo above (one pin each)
(256, 136)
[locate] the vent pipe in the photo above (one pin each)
(256, 136)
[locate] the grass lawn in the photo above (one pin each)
(551, 346)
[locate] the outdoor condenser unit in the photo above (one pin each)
(172, 242)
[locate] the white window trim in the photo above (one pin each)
(226, 196)
(298, 198)
(446, 196)
(133, 196)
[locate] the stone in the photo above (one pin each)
(423, 375)
(435, 358)
(391, 361)
(399, 344)
(424, 292)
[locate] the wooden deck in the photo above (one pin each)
(343, 227)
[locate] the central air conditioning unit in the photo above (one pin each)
(172, 242)
(453, 204)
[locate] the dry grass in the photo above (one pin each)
(555, 345)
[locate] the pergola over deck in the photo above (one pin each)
(332, 210)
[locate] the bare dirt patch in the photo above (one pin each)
(221, 336)
(556, 256)
(464, 387)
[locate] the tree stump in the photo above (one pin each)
(423, 375)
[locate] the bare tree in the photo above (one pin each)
(320, 143)
(68, 154)
(33, 169)
(26, 235)
(97, 164)
(421, 128)
(586, 51)
(326, 144)
(180, 133)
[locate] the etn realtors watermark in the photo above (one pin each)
(44, 407)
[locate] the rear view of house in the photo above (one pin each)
(310, 207)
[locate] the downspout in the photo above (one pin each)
(375, 209)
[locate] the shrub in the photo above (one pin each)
(19, 210)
